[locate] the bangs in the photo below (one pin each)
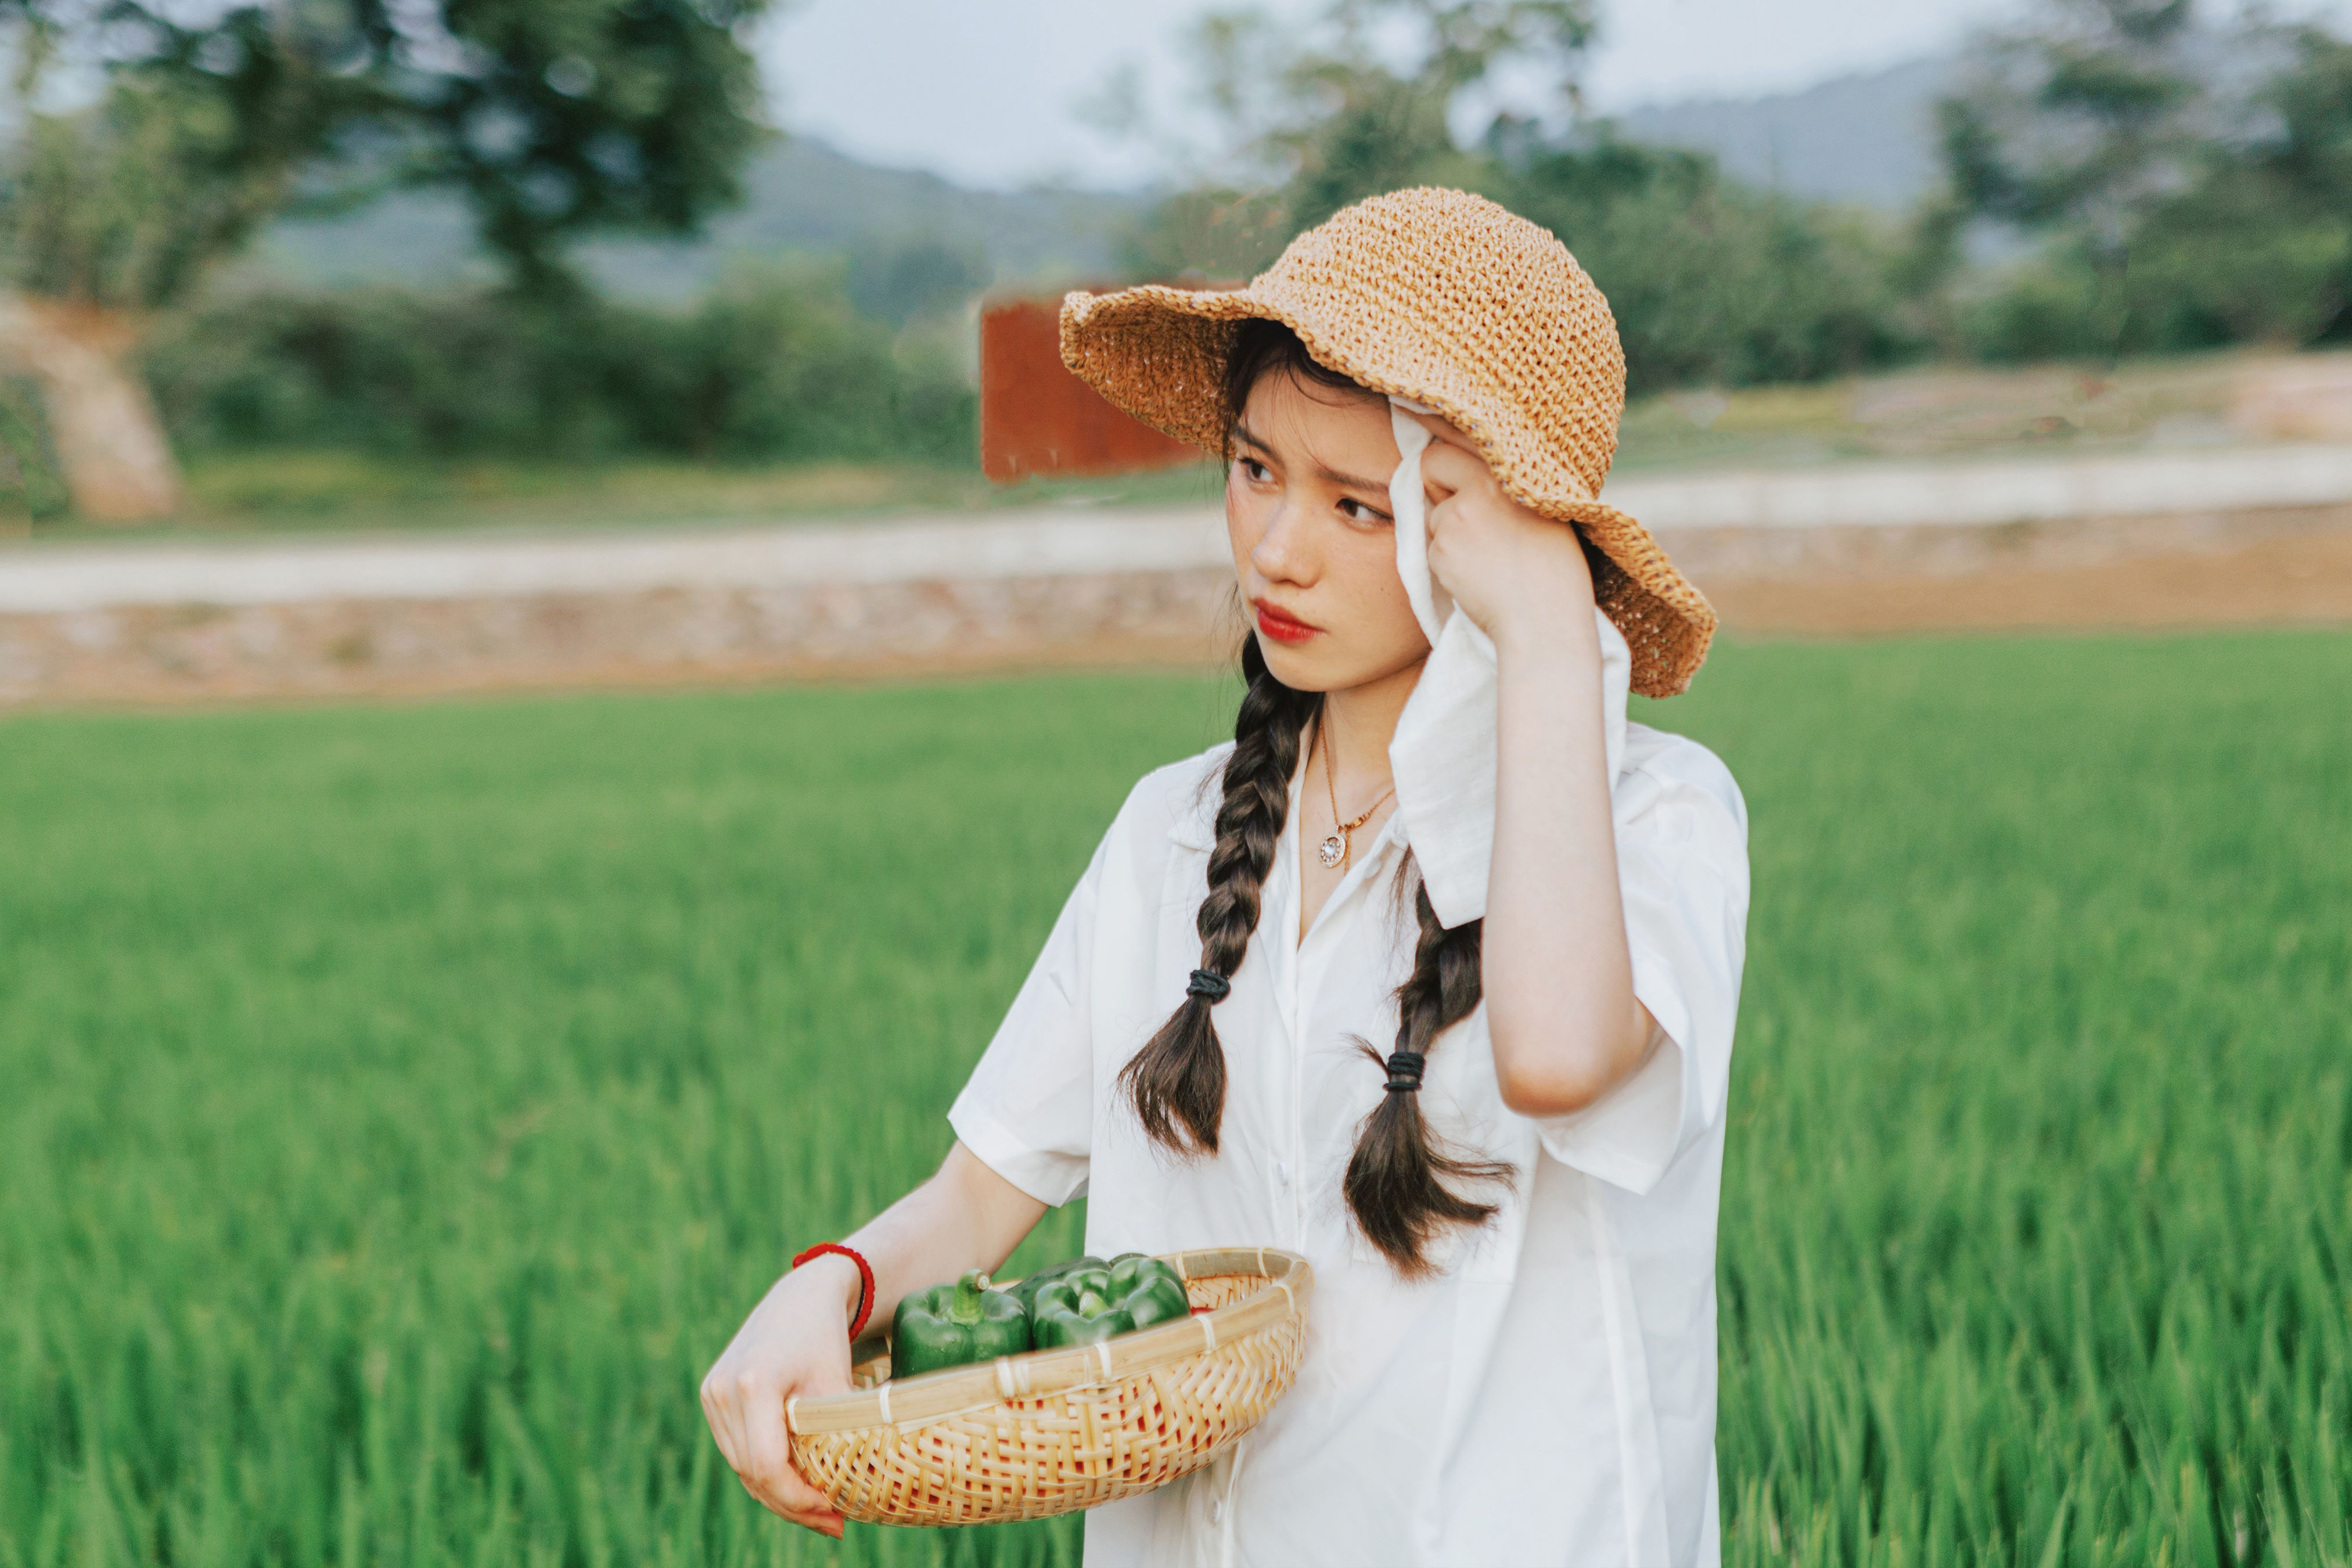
(1264, 347)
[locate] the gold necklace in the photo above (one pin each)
(1339, 848)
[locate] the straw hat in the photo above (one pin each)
(1445, 299)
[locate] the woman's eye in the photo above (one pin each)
(1253, 470)
(1360, 512)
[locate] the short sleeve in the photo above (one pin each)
(1682, 863)
(1027, 1112)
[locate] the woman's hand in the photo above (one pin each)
(1512, 571)
(1556, 967)
(796, 1341)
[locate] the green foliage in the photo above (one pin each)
(2313, 149)
(909, 277)
(31, 489)
(1324, 111)
(405, 1107)
(2306, 168)
(2081, 116)
(406, 1103)
(1382, 133)
(1213, 233)
(127, 203)
(585, 115)
(2242, 255)
(1710, 281)
(2239, 261)
(2180, 207)
(2037, 1219)
(773, 365)
(2177, 204)
(2049, 306)
(1326, 104)
(553, 118)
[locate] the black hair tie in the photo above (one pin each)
(1210, 983)
(1404, 1071)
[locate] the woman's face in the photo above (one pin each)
(1306, 509)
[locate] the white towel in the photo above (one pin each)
(1443, 756)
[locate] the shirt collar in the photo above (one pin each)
(1195, 825)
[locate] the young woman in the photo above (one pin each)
(1434, 830)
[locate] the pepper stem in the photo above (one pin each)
(965, 1307)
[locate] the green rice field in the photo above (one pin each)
(399, 1106)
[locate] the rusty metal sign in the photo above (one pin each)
(1036, 418)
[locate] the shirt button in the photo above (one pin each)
(1217, 1511)
(1282, 1173)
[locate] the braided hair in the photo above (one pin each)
(1396, 1182)
(1396, 1186)
(1178, 1081)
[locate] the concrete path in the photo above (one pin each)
(2210, 538)
(41, 579)
(38, 580)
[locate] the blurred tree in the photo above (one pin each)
(773, 365)
(905, 277)
(1710, 281)
(1216, 232)
(2077, 124)
(2080, 117)
(1368, 97)
(2312, 148)
(30, 491)
(2258, 246)
(553, 117)
(2309, 160)
(2188, 184)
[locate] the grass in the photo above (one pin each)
(404, 1103)
(330, 491)
(1936, 413)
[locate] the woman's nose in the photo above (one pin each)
(1283, 552)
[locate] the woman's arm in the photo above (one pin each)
(796, 1340)
(1560, 1008)
(1558, 976)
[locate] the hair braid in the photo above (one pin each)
(1394, 1186)
(1177, 1081)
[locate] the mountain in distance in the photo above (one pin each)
(800, 196)
(1870, 138)
(1866, 138)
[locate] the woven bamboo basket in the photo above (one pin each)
(1028, 1435)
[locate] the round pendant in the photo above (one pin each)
(1331, 851)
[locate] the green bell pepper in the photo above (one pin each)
(1152, 1291)
(952, 1325)
(1088, 1306)
(1026, 1289)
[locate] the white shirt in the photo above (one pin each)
(1549, 1397)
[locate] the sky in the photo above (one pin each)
(984, 91)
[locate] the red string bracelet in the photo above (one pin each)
(865, 1279)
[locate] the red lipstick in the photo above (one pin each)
(1281, 627)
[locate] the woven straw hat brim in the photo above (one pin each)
(1159, 354)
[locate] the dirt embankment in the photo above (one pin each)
(1161, 604)
(2281, 566)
